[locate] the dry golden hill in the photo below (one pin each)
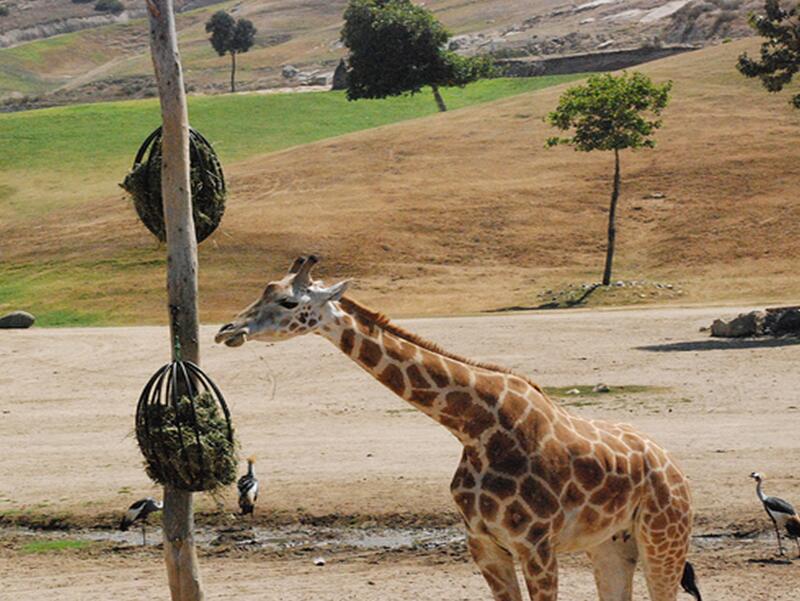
(467, 211)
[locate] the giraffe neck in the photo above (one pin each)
(467, 398)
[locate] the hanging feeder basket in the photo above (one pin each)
(143, 183)
(184, 429)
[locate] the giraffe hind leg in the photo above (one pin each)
(497, 566)
(663, 539)
(614, 563)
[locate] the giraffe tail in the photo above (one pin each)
(688, 582)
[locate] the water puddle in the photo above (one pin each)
(271, 539)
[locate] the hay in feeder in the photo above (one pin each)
(184, 429)
(188, 443)
(143, 183)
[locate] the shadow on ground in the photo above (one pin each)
(720, 344)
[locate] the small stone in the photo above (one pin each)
(573, 391)
(620, 284)
(601, 388)
(319, 561)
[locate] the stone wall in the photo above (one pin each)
(586, 63)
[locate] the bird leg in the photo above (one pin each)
(144, 533)
(780, 543)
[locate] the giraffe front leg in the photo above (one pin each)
(497, 566)
(540, 569)
(614, 563)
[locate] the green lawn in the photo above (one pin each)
(68, 154)
(54, 546)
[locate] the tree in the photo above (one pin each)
(611, 113)
(397, 47)
(230, 36)
(780, 54)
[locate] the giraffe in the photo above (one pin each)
(533, 481)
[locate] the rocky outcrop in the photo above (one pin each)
(13, 37)
(741, 326)
(610, 60)
(778, 321)
(16, 320)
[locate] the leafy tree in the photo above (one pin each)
(397, 47)
(780, 54)
(230, 36)
(611, 113)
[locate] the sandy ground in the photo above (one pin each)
(331, 441)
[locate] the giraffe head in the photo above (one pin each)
(288, 307)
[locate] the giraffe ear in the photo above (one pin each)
(335, 292)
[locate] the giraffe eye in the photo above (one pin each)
(287, 304)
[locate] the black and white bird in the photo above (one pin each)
(248, 488)
(782, 514)
(138, 512)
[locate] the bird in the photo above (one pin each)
(248, 488)
(781, 512)
(138, 512)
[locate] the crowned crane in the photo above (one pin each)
(781, 512)
(248, 489)
(138, 512)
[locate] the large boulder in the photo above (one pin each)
(16, 320)
(743, 325)
(340, 76)
(782, 320)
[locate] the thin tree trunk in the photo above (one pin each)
(612, 228)
(233, 72)
(178, 521)
(439, 100)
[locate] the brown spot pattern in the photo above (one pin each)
(370, 353)
(538, 498)
(392, 377)
(347, 342)
(417, 379)
(588, 472)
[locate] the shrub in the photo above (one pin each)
(4, 11)
(109, 6)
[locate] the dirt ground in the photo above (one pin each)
(334, 445)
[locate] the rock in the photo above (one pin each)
(289, 72)
(319, 561)
(573, 391)
(340, 76)
(746, 324)
(654, 196)
(601, 388)
(316, 80)
(782, 320)
(16, 320)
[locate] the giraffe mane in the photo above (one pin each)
(382, 321)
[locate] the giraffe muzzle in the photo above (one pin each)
(230, 335)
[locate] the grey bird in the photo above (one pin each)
(782, 514)
(138, 512)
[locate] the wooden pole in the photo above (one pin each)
(178, 516)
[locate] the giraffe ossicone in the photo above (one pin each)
(534, 481)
